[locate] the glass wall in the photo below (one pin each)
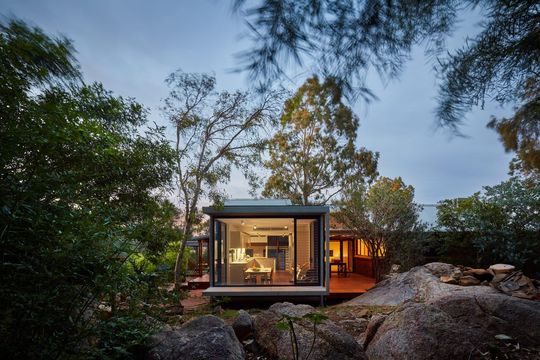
(266, 251)
(254, 251)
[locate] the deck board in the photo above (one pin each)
(353, 283)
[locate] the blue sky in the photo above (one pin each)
(131, 46)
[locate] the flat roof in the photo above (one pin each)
(257, 202)
(272, 210)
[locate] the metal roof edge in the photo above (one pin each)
(264, 210)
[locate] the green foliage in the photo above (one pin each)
(451, 248)
(81, 189)
(221, 300)
(503, 222)
(286, 323)
(162, 263)
(385, 216)
(229, 314)
(313, 156)
(120, 337)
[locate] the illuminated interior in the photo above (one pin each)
(341, 253)
(266, 251)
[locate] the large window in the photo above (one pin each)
(266, 251)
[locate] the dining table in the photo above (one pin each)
(258, 272)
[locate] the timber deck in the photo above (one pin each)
(340, 287)
(350, 286)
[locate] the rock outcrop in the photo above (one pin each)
(332, 341)
(494, 314)
(356, 327)
(420, 332)
(434, 319)
(206, 337)
(418, 284)
(452, 327)
(435, 311)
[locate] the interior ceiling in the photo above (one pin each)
(275, 226)
(259, 222)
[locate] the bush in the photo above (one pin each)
(82, 188)
(501, 224)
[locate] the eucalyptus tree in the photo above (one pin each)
(386, 218)
(346, 39)
(314, 154)
(216, 132)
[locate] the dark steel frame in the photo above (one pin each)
(319, 213)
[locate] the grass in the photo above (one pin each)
(228, 314)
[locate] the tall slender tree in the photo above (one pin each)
(313, 156)
(215, 132)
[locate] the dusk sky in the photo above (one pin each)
(131, 46)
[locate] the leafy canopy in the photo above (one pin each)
(385, 216)
(520, 132)
(80, 188)
(313, 155)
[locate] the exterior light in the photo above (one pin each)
(242, 223)
(286, 227)
(254, 227)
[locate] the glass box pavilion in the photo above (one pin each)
(268, 248)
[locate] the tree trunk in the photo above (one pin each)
(189, 216)
(178, 265)
(380, 267)
(375, 267)
(180, 256)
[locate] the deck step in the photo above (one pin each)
(266, 291)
